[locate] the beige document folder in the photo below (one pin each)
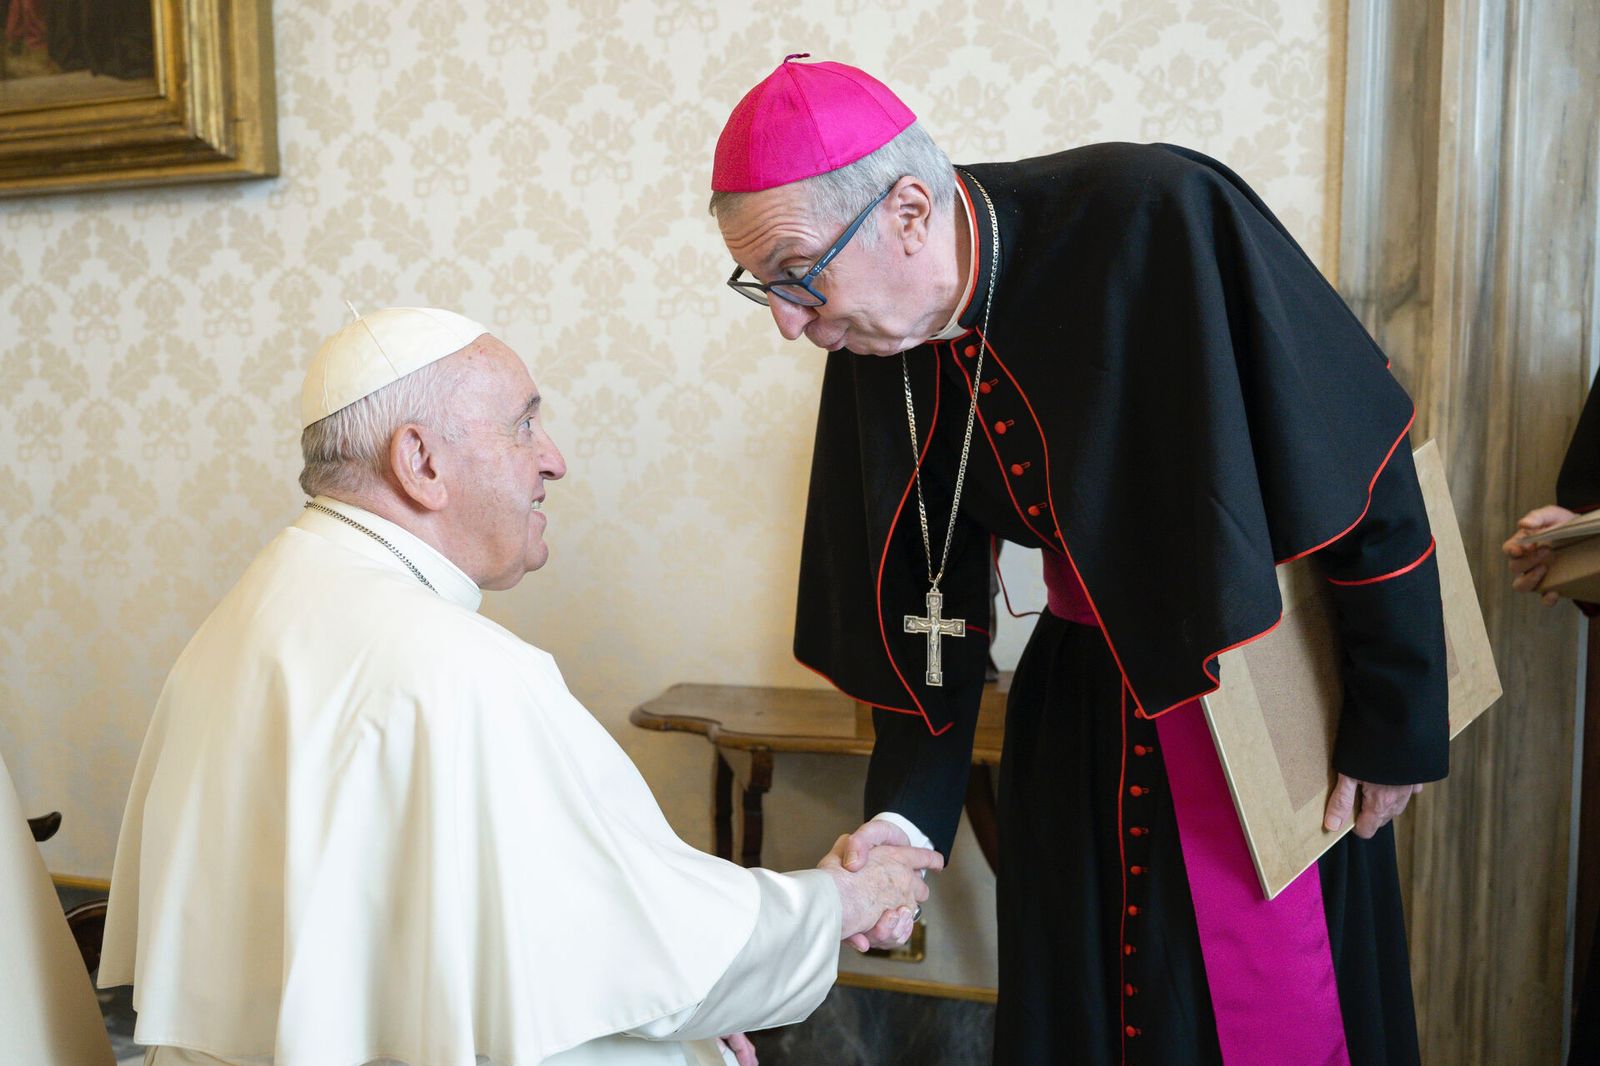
(1574, 568)
(1276, 714)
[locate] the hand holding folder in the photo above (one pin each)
(1556, 553)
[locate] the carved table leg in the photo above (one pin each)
(755, 786)
(722, 805)
(982, 816)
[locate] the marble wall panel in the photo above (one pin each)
(1469, 244)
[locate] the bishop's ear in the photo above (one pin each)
(912, 208)
(416, 462)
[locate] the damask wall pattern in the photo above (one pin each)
(543, 166)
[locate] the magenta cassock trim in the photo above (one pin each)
(1268, 963)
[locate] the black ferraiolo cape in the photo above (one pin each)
(1178, 400)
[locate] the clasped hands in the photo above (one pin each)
(880, 880)
(880, 875)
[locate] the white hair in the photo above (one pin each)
(839, 195)
(348, 451)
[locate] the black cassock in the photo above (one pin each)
(1578, 489)
(1174, 397)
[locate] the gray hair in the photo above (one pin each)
(839, 195)
(348, 451)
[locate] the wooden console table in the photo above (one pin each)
(746, 725)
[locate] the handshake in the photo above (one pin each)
(880, 881)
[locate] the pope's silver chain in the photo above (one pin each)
(972, 410)
(315, 506)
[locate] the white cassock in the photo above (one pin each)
(48, 1013)
(369, 824)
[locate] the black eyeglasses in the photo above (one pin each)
(799, 290)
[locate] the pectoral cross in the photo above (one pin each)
(937, 627)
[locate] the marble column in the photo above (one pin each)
(1470, 225)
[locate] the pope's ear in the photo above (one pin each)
(912, 205)
(417, 462)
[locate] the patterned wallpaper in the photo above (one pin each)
(541, 165)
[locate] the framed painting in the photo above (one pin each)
(98, 93)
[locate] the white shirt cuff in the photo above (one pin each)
(918, 838)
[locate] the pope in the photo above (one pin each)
(369, 825)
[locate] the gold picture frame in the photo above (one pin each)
(206, 112)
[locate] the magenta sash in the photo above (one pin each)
(1268, 964)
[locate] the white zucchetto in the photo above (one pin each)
(377, 350)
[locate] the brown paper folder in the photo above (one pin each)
(1574, 570)
(1275, 716)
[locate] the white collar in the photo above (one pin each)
(952, 329)
(444, 575)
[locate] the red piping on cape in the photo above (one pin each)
(1139, 710)
(889, 539)
(988, 435)
(1391, 574)
(1050, 501)
(878, 591)
(858, 699)
(1138, 704)
(1367, 507)
(1216, 681)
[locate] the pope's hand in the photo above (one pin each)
(741, 1047)
(879, 897)
(1528, 560)
(1380, 805)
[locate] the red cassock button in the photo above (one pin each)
(1137, 871)
(1128, 949)
(1017, 469)
(983, 387)
(1138, 831)
(1001, 427)
(1133, 911)
(1131, 1031)
(1137, 791)
(970, 350)
(1129, 991)
(1033, 510)
(1140, 749)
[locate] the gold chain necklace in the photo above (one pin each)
(347, 520)
(934, 624)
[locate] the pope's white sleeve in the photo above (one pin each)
(783, 971)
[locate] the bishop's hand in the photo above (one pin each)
(1380, 805)
(880, 895)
